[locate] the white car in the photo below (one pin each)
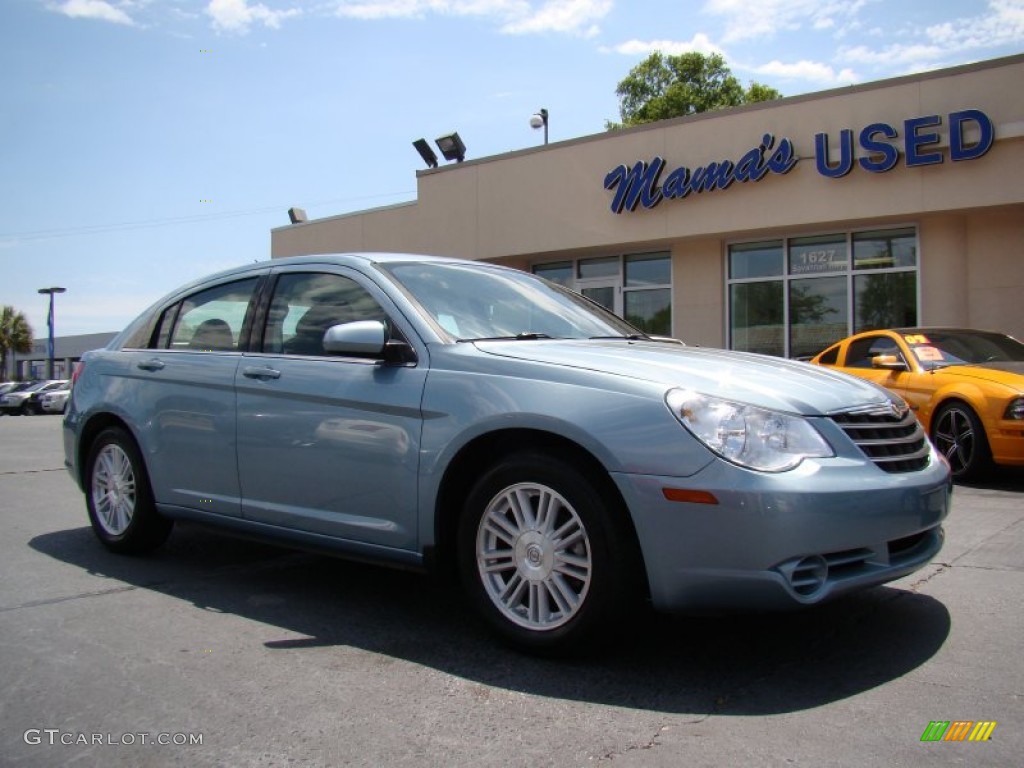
(55, 401)
(24, 399)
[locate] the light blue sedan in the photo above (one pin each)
(430, 412)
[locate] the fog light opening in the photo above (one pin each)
(809, 575)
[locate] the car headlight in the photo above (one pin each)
(1015, 410)
(752, 437)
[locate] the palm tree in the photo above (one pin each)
(15, 335)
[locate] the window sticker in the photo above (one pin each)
(449, 323)
(916, 338)
(929, 354)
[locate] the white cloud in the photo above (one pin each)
(812, 71)
(567, 16)
(896, 55)
(745, 20)
(576, 17)
(1001, 24)
(700, 43)
(237, 15)
(93, 9)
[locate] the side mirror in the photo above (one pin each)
(367, 338)
(363, 337)
(888, 362)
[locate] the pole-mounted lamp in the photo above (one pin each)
(49, 324)
(540, 120)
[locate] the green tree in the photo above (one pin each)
(15, 336)
(663, 86)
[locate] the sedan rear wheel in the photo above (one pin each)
(539, 555)
(959, 436)
(118, 496)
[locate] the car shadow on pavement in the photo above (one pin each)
(999, 479)
(736, 665)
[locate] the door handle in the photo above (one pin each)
(151, 365)
(253, 372)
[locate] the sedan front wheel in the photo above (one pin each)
(540, 555)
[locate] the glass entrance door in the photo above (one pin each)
(600, 280)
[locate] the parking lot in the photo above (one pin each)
(219, 651)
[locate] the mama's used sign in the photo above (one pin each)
(642, 183)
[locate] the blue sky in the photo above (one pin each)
(146, 143)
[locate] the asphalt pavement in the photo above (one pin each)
(217, 651)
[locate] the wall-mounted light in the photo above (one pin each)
(296, 215)
(539, 119)
(426, 152)
(451, 147)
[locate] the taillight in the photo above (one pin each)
(76, 372)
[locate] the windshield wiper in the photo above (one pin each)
(627, 337)
(523, 336)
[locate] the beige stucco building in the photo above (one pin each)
(775, 227)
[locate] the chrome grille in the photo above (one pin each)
(894, 441)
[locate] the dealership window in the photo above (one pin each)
(636, 286)
(557, 272)
(647, 292)
(792, 297)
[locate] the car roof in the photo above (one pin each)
(351, 259)
(344, 259)
(341, 259)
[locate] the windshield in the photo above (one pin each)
(474, 302)
(935, 348)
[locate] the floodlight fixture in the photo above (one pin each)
(296, 215)
(451, 147)
(426, 152)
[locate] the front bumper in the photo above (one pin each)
(1006, 440)
(784, 540)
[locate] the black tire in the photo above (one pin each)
(958, 434)
(119, 497)
(26, 409)
(569, 572)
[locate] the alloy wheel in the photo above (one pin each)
(113, 489)
(534, 556)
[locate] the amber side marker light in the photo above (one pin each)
(694, 497)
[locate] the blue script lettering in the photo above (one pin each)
(636, 184)
(639, 185)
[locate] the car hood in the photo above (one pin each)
(1008, 372)
(769, 382)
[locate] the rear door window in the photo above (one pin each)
(209, 321)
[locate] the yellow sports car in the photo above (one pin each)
(966, 387)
